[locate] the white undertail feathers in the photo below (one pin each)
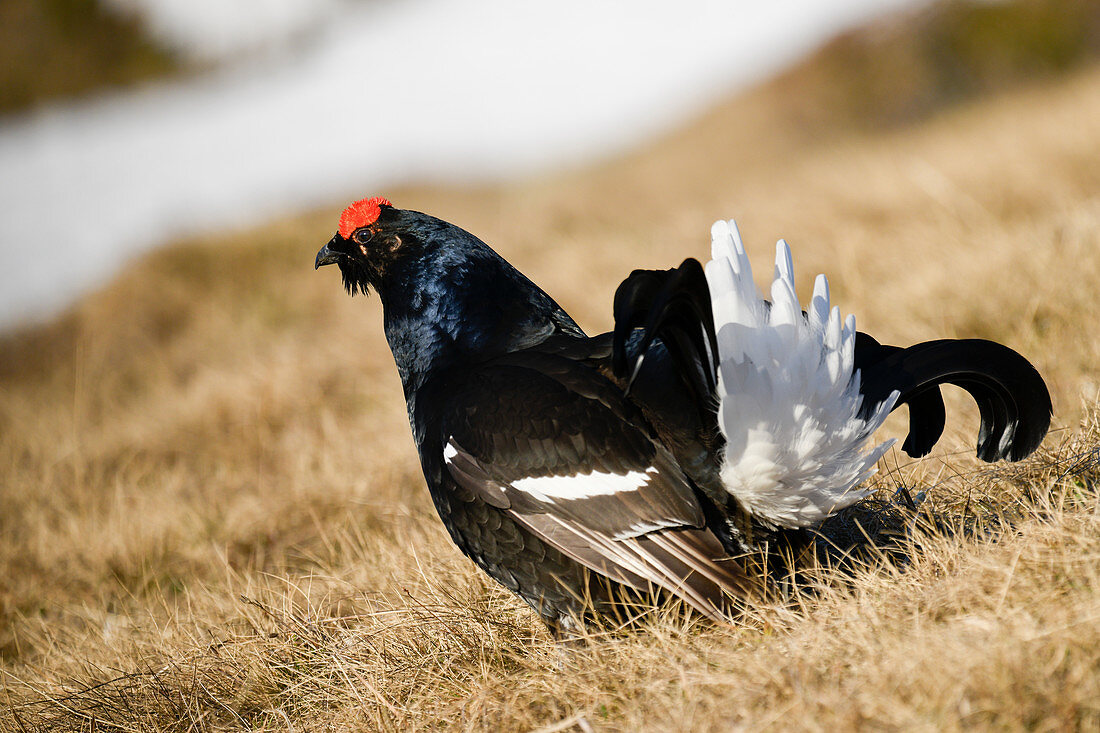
(789, 401)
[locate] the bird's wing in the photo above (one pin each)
(544, 433)
(556, 445)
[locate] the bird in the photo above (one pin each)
(596, 475)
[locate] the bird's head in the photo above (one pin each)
(440, 286)
(371, 237)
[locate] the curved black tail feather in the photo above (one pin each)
(1012, 397)
(927, 413)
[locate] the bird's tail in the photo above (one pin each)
(795, 420)
(1012, 397)
(797, 394)
(672, 306)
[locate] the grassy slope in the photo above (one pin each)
(905, 68)
(211, 498)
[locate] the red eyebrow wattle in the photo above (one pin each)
(360, 214)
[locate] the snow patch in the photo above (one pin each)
(383, 93)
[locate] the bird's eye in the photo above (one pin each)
(362, 236)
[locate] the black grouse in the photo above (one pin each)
(588, 473)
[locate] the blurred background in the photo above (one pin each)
(203, 441)
(148, 120)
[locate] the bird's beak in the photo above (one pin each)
(327, 255)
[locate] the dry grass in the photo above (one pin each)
(904, 68)
(214, 519)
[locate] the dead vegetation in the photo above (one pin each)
(214, 519)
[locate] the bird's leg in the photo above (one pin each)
(569, 636)
(745, 529)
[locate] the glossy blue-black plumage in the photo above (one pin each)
(503, 386)
(491, 363)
